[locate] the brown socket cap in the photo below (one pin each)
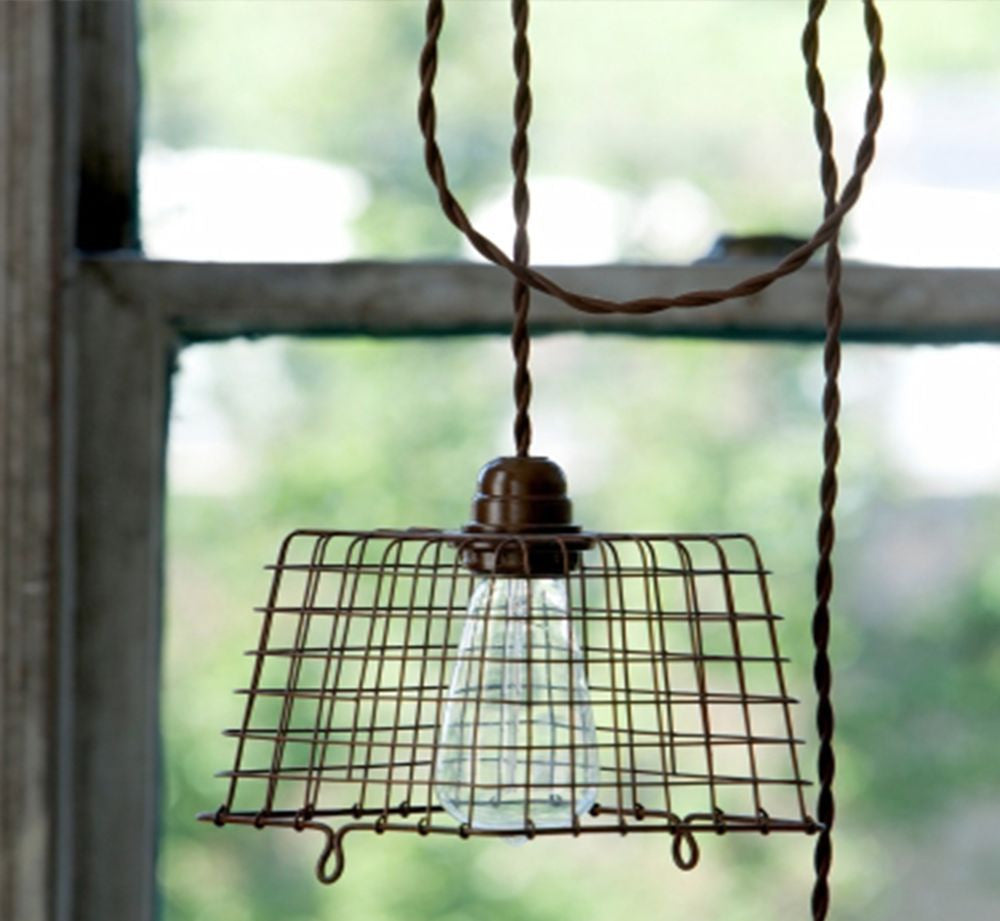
(521, 495)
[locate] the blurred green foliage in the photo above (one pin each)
(360, 433)
(725, 437)
(626, 94)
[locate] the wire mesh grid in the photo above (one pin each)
(606, 683)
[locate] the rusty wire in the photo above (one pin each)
(360, 636)
(453, 210)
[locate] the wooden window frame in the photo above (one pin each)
(90, 331)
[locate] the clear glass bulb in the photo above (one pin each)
(517, 737)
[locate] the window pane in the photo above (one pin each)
(280, 433)
(287, 130)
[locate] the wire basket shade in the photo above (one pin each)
(604, 683)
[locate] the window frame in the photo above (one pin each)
(97, 329)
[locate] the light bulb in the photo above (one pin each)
(517, 740)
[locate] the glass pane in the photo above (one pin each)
(280, 433)
(286, 129)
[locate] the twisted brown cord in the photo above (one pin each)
(427, 117)
(519, 340)
(826, 530)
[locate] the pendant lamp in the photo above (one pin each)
(523, 676)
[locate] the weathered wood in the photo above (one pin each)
(108, 83)
(79, 585)
(121, 405)
(207, 300)
(31, 243)
(116, 399)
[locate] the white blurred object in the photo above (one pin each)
(224, 394)
(579, 222)
(933, 197)
(209, 204)
(203, 455)
(943, 418)
(573, 221)
(922, 225)
(676, 222)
